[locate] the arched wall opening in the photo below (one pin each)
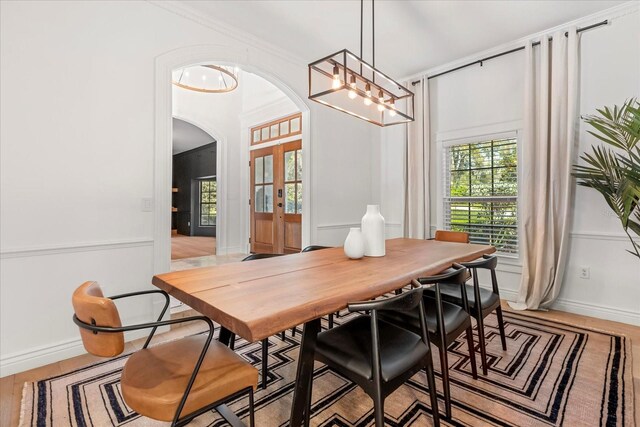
(234, 201)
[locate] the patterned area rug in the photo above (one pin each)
(552, 374)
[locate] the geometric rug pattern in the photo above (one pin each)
(552, 374)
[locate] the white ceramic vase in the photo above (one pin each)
(373, 232)
(354, 244)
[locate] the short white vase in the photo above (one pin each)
(354, 244)
(373, 232)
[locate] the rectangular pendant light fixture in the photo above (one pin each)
(347, 83)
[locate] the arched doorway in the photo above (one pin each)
(162, 164)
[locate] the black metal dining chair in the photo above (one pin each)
(445, 322)
(482, 302)
(377, 355)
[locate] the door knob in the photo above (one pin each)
(279, 205)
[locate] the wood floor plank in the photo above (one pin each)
(7, 400)
(192, 246)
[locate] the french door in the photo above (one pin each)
(276, 198)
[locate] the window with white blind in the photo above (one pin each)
(481, 192)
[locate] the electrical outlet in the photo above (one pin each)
(585, 272)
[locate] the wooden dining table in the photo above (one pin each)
(263, 297)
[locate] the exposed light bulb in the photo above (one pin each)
(381, 107)
(380, 96)
(336, 78)
(186, 74)
(352, 82)
(204, 78)
(392, 108)
(367, 90)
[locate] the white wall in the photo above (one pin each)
(480, 97)
(77, 153)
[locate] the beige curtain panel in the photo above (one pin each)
(416, 182)
(551, 84)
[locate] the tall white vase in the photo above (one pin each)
(354, 244)
(373, 232)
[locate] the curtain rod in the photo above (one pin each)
(497, 55)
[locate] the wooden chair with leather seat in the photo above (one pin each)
(174, 381)
(376, 355)
(482, 302)
(445, 322)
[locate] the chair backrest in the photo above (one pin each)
(405, 301)
(92, 307)
(456, 274)
(452, 236)
(314, 248)
(260, 256)
(490, 262)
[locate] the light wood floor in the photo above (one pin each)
(191, 246)
(11, 386)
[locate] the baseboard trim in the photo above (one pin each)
(75, 247)
(585, 309)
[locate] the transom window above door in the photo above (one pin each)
(277, 129)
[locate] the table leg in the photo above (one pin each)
(225, 335)
(304, 375)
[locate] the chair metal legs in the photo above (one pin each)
(444, 367)
(331, 321)
(265, 362)
(378, 408)
(252, 420)
(483, 350)
(431, 382)
(503, 338)
(472, 352)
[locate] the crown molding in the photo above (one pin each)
(189, 13)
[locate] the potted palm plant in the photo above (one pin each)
(613, 169)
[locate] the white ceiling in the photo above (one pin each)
(411, 36)
(187, 136)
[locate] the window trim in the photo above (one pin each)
(511, 129)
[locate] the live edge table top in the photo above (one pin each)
(260, 298)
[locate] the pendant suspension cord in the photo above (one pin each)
(373, 35)
(361, 21)
(361, 31)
